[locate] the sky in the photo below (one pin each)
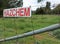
(34, 4)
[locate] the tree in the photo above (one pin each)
(16, 3)
(47, 8)
(44, 10)
(0, 3)
(40, 0)
(48, 5)
(4, 5)
(40, 10)
(56, 10)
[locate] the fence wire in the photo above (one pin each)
(15, 26)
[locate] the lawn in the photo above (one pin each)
(15, 26)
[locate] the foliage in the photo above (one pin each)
(56, 10)
(40, 0)
(40, 10)
(44, 10)
(48, 5)
(48, 10)
(15, 3)
(4, 4)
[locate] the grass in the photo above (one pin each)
(15, 26)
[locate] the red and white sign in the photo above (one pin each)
(17, 12)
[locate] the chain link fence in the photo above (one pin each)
(14, 26)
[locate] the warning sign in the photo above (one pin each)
(17, 12)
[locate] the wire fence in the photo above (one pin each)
(14, 26)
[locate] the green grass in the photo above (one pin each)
(12, 26)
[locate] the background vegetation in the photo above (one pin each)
(42, 17)
(48, 10)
